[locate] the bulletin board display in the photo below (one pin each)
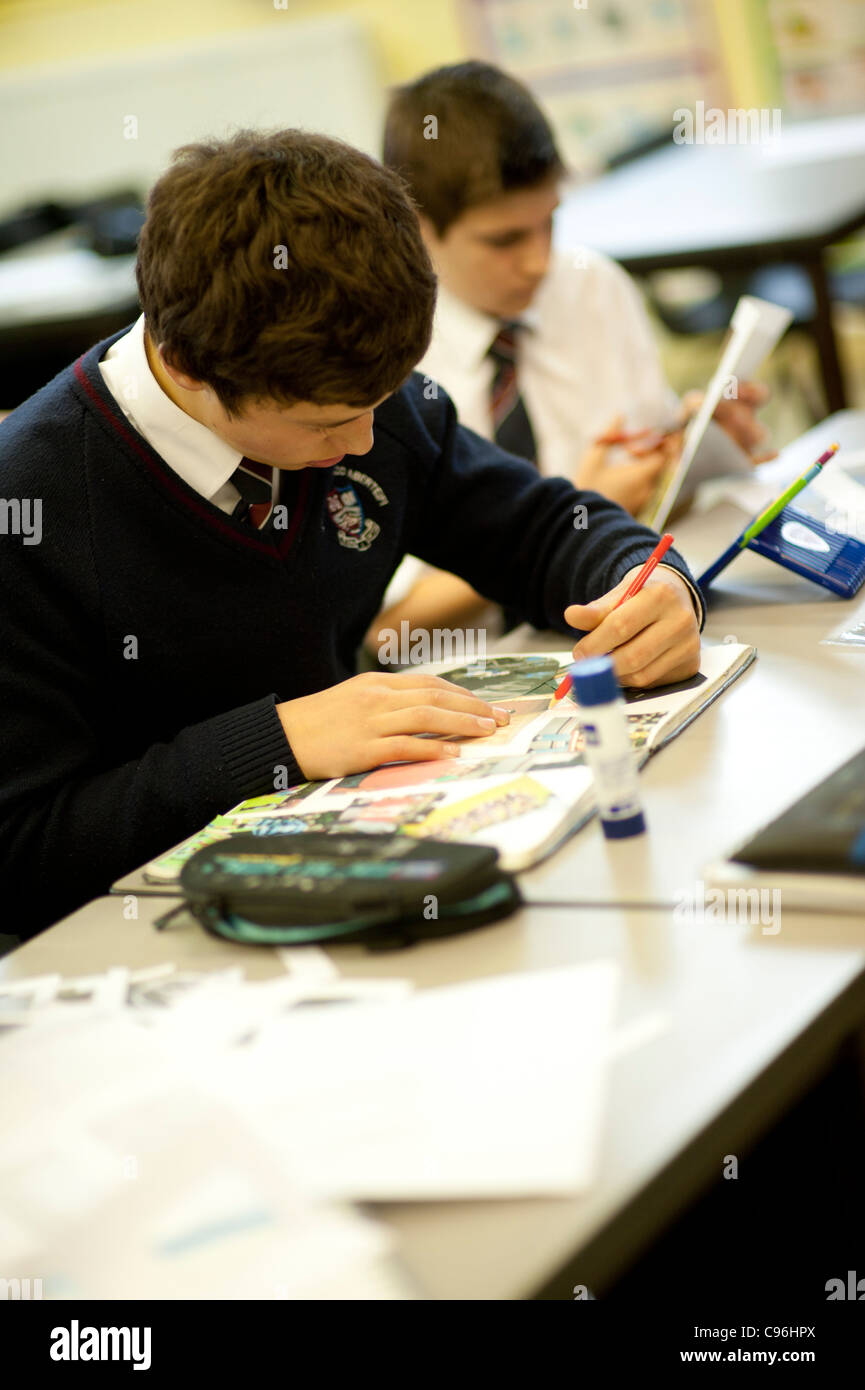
(608, 73)
(819, 50)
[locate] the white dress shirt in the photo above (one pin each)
(587, 354)
(194, 452)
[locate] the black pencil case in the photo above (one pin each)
(385, 890)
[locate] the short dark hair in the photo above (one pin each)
(491, 137)
(285, 266)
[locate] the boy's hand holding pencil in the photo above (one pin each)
(647, 623)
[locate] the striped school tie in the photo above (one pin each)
(512, 429)
(254, 482)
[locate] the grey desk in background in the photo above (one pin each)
(734, 206)
(58, 298)
(747, 1023)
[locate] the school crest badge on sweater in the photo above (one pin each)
(347, 507)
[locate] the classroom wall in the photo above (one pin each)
(91, 126)
(411, 34)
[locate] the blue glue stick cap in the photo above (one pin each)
(594, 681)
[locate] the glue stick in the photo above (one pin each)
(607, 747)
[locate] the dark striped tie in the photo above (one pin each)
(254, 482)
(512, 429)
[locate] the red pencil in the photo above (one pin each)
(633, 588)
(656, 556)
(631, 436)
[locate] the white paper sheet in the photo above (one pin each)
(755, 328)
(492, 1088)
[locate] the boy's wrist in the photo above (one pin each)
(692, 589)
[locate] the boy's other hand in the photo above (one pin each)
(738, 417)
(377, 717)
(654, 638)
(631, 484)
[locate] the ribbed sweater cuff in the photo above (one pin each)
(257, 755)
(672, 561)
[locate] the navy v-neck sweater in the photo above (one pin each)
(145, 640)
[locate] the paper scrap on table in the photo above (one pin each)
(322, 983)
(850, 632)
(20, 1000)
(210, 1005)
(307, 963)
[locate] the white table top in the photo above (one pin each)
(735, 1023)
(696, 198)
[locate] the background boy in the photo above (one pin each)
(486, 187)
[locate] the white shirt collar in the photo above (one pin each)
(466, 333)
(463, 332)
(199, 456)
